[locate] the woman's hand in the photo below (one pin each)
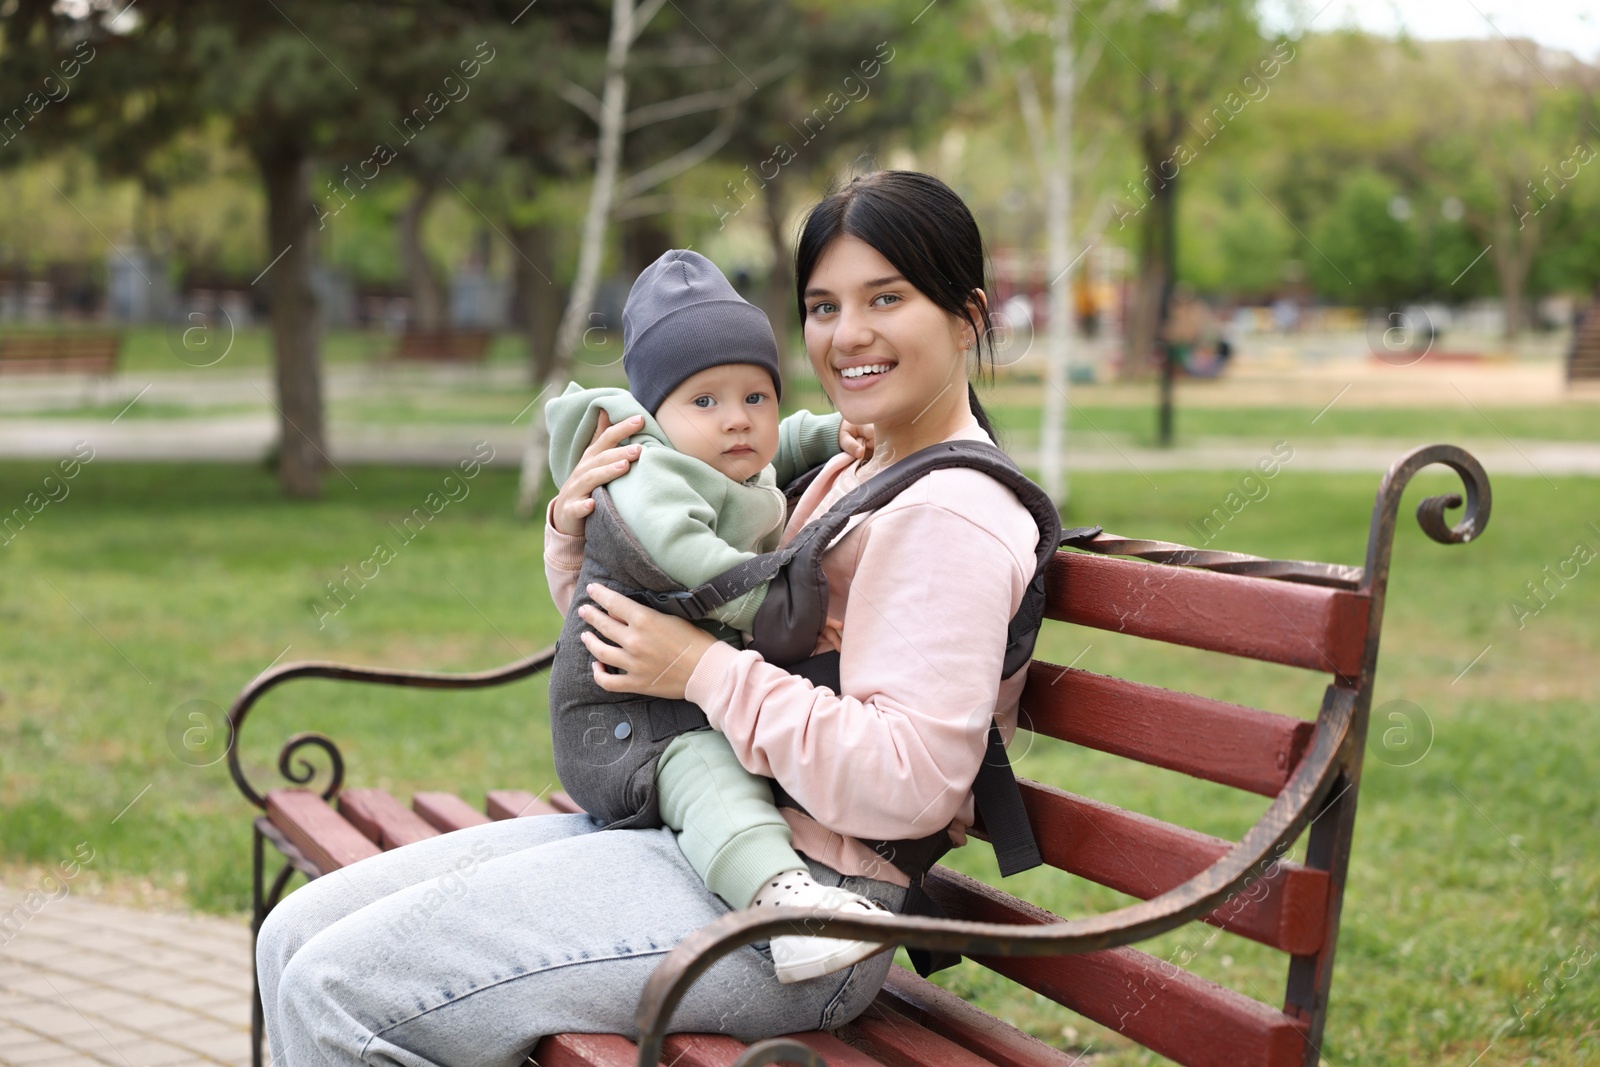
(657, 652)
(856, 440)
(605, 459)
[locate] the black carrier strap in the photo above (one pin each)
(791, 617)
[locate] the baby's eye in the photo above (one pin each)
(702, 402)
(756, 398)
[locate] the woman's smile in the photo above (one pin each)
(863, 375)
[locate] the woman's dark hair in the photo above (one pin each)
(924, 229)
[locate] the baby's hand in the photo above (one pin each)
(856, 440)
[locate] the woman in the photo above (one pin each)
(468, 947)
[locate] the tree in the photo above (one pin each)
(1188, 70)
(1050, 139)
(711, 108)
(834, 100)
(287, 79)
(1509, 151)
(1371, 254)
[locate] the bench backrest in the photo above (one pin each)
(63, 351)
(444, 346)
(1317, 617)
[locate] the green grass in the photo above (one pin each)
(1474, 870)
(1014, 409)
(1088, 422)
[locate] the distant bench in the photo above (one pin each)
(60, 353)
(443, 346)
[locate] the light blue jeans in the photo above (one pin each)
(466, 949)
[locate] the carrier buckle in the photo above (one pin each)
(684, 603)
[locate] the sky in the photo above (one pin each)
(1572, 25)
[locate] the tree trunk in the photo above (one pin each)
(779, 299)
(1058, 215)
(539, 299)
(644, 240)
(1168, 203)
(430, 308)
(613, 105)
(1514, 246)
(1144, 318)
(296, 322)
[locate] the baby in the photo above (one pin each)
(702, 497)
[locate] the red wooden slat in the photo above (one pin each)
(896, 1041)
(382, 818)
(1152, 1001)
(1144, 857)
(447, 812)
(319, 832)
(561, 802)
(1282, 622)
(1210, 739)
(515, 803)
(718, 1050)
(586, 1050)
(949, 1016)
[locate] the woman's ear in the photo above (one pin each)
(972, 327)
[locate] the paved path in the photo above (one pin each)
(246, 438)
(84, 984)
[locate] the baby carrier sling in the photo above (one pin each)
(607, 744)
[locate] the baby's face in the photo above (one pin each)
(724, 416)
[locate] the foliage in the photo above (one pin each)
(1366, 242)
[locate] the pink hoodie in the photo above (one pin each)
(924, 587)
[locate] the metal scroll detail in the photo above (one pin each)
(300, 770)
(1431, 512)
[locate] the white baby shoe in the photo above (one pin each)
(797, 958)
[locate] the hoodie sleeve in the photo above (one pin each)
(572, 417)
(805, 441)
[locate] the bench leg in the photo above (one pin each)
(1310, 977)
(262, 901)
(258, 913)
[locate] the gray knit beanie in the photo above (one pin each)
(681, 317)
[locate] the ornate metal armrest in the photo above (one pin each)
(1279, 826)
(303, 772)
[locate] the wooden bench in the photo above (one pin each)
(443, 346)
(1320, 617)
(58, 353)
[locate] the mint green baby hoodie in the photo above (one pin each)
(694, 521)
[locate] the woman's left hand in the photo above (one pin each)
(657, 652)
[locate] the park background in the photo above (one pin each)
(344, 250)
